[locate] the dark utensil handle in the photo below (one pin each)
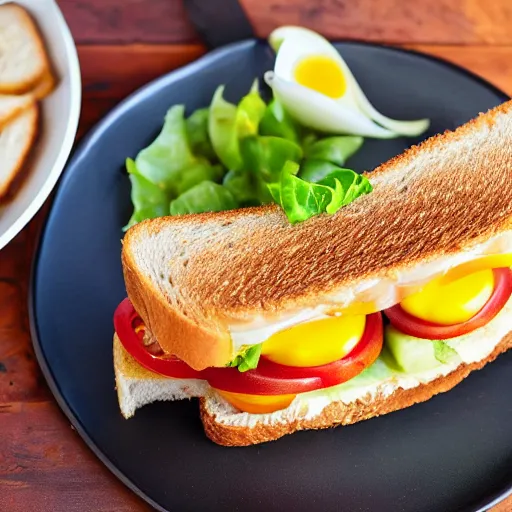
(219, 22)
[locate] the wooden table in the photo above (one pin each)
(44, 465)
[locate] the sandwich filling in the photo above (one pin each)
(349, 354)
(369, 295)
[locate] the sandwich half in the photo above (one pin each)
(278, 328)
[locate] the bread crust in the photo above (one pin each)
(26, 101)
(339, 413)
(17, 173)
(435, 200)
(176, 333)
(44, 86)
(33, 81)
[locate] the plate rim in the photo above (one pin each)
(84, 146)
(59, 165)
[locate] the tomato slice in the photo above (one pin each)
(271, 378)
(126, 321)
(268, 378)
(419, 328)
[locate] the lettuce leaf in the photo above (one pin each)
(336, 150)
(204, 197)
(444, 353)
(197, 173)
(245, 187)
(315, 170)
(248, 359)
(266, 156)
(250, 111)
(302, 200)
(263, 158)
(278, 123)
(227, 123)
(261, 147)
(163, 160)
(197, 133)
(149, 200)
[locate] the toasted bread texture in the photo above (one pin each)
(11, 106)
(137, 386)
(23, 59)
(45, 86)
(192, 277)
(16, 139)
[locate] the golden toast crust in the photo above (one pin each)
(339, 413)
(31, 82)
(439, 198)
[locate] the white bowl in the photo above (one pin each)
(60, 113)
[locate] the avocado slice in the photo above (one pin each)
(412, 355)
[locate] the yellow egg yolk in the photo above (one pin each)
(257, 404)
(451, 303)
(322, 74)
(483, 263)
(315, 343)
(453, 298)
(308, 344)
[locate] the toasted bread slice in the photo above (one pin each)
(337, 413)
(12, 105)
(23, 60)
(16, 139)
(137, 387)
(194, 279)
(45, 86)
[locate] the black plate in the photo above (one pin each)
(452, 453)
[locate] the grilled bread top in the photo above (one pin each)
(190, 277)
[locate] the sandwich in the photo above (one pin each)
(277, 328)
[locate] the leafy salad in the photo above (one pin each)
(229, 156)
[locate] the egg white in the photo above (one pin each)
(351, 113)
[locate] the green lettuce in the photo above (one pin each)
(227, 156)
(201, 171)
(228, 123)
(204, 197)
(302, 200)
(166, 157)
(278, 123)
(315, 170)
(197, 132)
(336, 150)
(246, 188)
(248, 359)
(250, 111)
(149, 200)
(262, 161)
(444, 353)
(266, 156)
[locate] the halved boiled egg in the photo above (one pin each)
(317, 88)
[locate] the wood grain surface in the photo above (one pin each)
(44, 465)
(392, 21)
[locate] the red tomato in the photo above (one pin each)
(126, 320)
(268, 378)
(419, 328)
